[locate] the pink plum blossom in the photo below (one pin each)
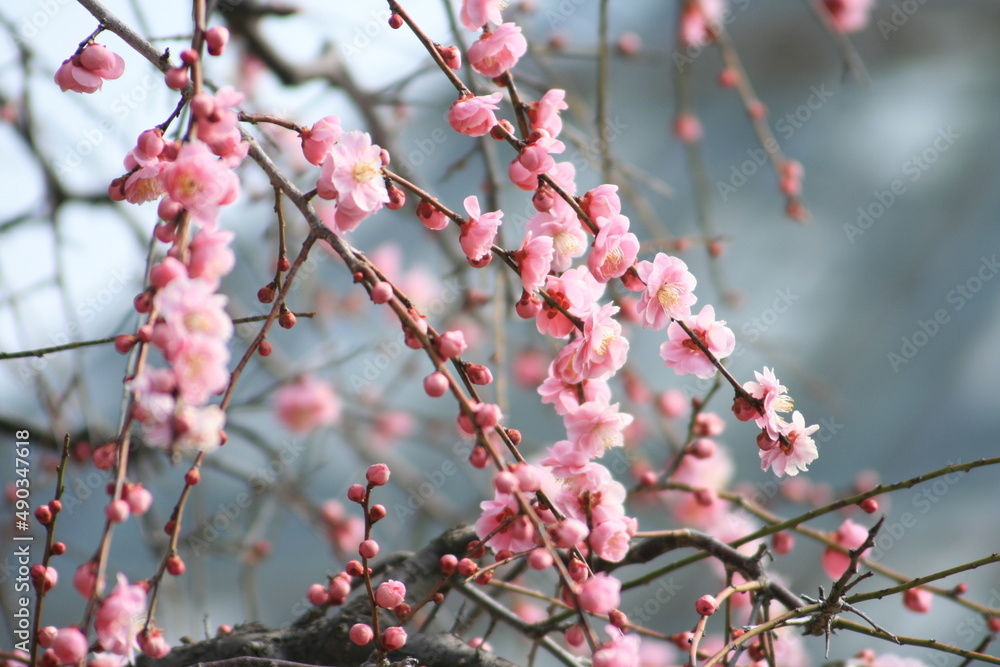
(604, 348)
(474, 116)
(218, 124)
(306, 404)
(191, 307)
(534, 160)
(197, 430)
(534, 261)
(669, 290)
(477, 13)
(569, 240)
(849, 536)
(200, 182)
(320, 138)
(544, 114)
(120, 617)
(600, 594)
(797, 454)
(352, 174)
(593, 427)
(610, 540)
(211, 257)
(87, 71)
(602, 202)
(70, 646)
(849, 15)
(496, 52)
(145, 183)
(615, 249)
(575, 291)
(390, 594)
(698, 19)
(622, 651)
(771, 393)
(685, 357)
(566, 459)
(200, 366)
(592, 495)
(479, 232)
(518, 535)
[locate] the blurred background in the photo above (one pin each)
(880, 314)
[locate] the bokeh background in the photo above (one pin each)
(826, 303)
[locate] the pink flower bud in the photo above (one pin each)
(782, 542)
(451, 55)
(527, 475)
(467, 567)
(356, 493)
(361, 634)
(70, 646)
(381, 292)
(702, 448)
(390, 594)
(378, 474)
(117, 511)
(216, 39)
(505, 482)
(177, 78)
(436, 384)
(152, 643)
(479, 458)
(368, 549)
(575, 636)
(450, 344)
(47, 636)
(488, 415)
(479, 374)
(540, 559)
(918, 600)
(568, 532)
(394, 638)
(449, 562)
(318, 595)
(338, 590)
(528, 306)
(706, 605)
(139, 499)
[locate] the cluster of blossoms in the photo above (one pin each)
(351, 171)
(785, 447)
(118, 623)
(190, 326)
(87, 70)
(565, 301)
(390, 594)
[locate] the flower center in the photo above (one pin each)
(614, 259)
(566, 244)
(365, 171)
(668, 296)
